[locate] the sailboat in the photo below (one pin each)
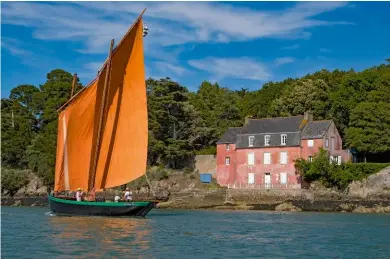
(103, 133)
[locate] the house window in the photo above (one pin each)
(283, 178)
(227, 147)
(310, 143)
(251, 158)
(332, 143)
(251, 140)
(283, 158)
(310, 159)
(227, 160)
(339, 160)
(326, 142)
(267, 140)
(267, 158)
(331, 159)
(283, 140)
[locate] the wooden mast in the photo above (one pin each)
(73, 85)
(101, 116)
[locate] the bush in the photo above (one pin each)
(12, 180)
(212, 150)
(333, 175)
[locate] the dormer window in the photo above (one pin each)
(251, 140)
(267, 140)
(283, 139)
(227, 147)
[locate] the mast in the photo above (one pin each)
(73, 84)
(91, 182)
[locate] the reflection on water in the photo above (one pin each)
(33, 233)
(99, 236)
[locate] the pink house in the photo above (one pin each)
(261, 153)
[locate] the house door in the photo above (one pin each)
(267, 180)
(251, 178)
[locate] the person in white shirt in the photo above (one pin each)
(78, 194)
(117, 198)
(128, 195)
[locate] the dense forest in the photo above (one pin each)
(184, 123)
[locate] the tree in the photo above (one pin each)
(52, 95)
(257, 103)
(369, 127)
(218, 108)
(174, 125)
(18, 124)
(301, 96)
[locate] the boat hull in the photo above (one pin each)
(85, 208)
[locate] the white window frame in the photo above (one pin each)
(339, 160)
(254, 178)
(265, 160)
(228, 147)
(249, 160)
(310, 143)
(251, 140)
(267, 137)
(285, 139)
(227, 160)
(332, 143)
(280, 177)
(310, 159)
(327, 142)
(281, 161)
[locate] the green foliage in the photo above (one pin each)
(333, 175)
(369, 129)
(212, 150)
(301, 96)
(12, 180)
(183, 123)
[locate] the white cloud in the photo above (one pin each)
(284, 60)
(168, 69)
(174, 27)
(170, 23)
(14, 46)
(325, 50)
(295, 46)
(242, 68)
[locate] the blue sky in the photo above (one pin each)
(237, 44)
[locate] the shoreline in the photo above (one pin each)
(354, 206)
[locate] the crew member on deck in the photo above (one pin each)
(78, 194)
(128, 195)
(92, 195)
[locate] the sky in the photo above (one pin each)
(237, 44)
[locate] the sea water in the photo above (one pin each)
(36, 233)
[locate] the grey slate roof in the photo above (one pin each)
(293, 139)
(274, 125)
(229, 137)
(315, 129)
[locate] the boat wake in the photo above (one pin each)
(50, 214)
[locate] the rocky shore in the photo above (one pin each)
(371, 195)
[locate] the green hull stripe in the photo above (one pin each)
(107, 204)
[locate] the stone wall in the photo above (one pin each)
(206, 164)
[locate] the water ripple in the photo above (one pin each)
(36, 233)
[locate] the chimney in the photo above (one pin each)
(308, 116)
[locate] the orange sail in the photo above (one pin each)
(124, 130)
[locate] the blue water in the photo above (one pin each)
(34, 233)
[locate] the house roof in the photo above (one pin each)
(229, 137)
(316, 129)
(273, 125)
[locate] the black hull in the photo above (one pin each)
(84, 208)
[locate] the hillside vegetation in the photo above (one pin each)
(183, 123)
